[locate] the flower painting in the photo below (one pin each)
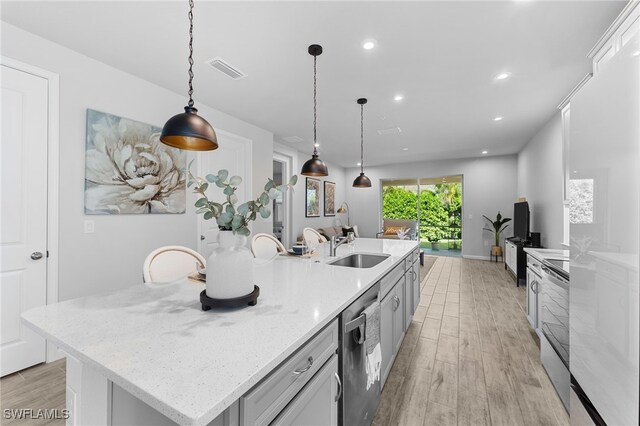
(128, 169)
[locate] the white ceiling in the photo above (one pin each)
(442, 56)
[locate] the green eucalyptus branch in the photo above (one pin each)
(227, 215)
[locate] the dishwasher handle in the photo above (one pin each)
(357, 327)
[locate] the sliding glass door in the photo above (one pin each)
(436, 203)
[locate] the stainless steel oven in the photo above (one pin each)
(554, 325)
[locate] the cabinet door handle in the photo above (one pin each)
(397, 305)
(339, 387)
(305, 369)
(534, 286)
(415, 275)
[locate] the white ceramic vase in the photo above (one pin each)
(230, 267)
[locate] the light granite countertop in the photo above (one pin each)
(190, 365)
(543, 254)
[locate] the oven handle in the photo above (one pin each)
(553, 278)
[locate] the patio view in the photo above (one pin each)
(436, 203)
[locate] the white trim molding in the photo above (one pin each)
(573, 91)
(53, 181)
(617, 23)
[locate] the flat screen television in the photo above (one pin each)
(521, 220)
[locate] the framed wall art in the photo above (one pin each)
(128, 170)
(312, 198)
(329, 198)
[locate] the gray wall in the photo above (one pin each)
(489, 185)
(540, 181)
(112, 257)
(336, 174)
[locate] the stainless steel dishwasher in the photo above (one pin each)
(358, 405)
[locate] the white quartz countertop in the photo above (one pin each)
(190, 365)
(542, 254)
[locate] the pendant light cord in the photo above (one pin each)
(315, 105)
(190, 53)
(361, 138)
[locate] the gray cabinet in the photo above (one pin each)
(387, 308)
(416, 285)
(317, 403)
(267, 400)
(392, 325)
(398, 315)
(408, 299)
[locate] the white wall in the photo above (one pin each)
(112, 257)
(540, 181)
(336, 174)
(489, 186)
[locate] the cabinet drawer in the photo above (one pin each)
(317, 403)
(389, 280)
(265, 401)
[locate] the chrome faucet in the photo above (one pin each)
(334, 244)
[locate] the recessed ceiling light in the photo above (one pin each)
(485, 152)
(497, 118)
(369, 44)
(502, 76)
(405, 149)
(398, 97)
(316, 145)
(636, 53)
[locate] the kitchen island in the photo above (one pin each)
(149, 354)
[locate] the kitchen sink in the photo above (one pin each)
(359, 260)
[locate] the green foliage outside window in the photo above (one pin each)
(440, 209)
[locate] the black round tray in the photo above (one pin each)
(250, 299)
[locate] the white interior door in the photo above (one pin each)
(234, 155)
(23, 237)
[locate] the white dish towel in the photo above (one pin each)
(374, 365)
(373, 350)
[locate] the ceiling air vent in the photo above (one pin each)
(293, 139)
(226, 68)
(390, 131)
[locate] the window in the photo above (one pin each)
(581, 201)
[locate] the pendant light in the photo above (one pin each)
(188, 130)
(315, 166)
(362, 181)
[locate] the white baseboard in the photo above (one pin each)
(468, 256)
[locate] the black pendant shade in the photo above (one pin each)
(315, 166)
(362, 181)
(189, 131)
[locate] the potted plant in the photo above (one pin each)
(229, 269)
(499, 225)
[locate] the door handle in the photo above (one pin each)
(36, 255)
(201, 237)
(339, 387)
(397, 300)
(305, 369)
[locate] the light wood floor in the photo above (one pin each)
(469, 356)
(38, 387)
